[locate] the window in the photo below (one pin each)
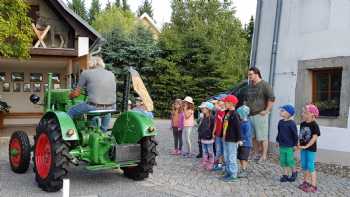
(326, 86)
(34, 13)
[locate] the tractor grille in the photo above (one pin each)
(127, 152)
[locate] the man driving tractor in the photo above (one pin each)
(100, 88)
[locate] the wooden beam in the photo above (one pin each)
(54, 52)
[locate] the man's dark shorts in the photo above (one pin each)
(243, 153)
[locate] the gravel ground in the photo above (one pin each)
(174, 176)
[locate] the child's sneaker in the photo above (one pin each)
(243, 174)
(303, 185)
(224, 176)
(173, 152)
(178, 152)
(293, 177)
(284, 178)
(231, 179)
(217, 167)
(312, 189)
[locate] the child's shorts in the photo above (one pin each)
(307, 160)
(243, 153)
(287, 157)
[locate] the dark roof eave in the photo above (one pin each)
(99, 37)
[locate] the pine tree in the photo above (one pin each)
(108, 5)
(250, 29)
(125, 5)
(78, 6)
(204, 52)
(117, 3)
(146, 7)
(95, 9)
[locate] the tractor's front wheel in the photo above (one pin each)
(148, 160)
(19, 152)
(50, 156)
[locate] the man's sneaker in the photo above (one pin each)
(231, 179)
(217, 167)
(199, 156)
(293, 177)
(284, 178)
(243, 174)
(303, 185)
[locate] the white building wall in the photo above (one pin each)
(309, 29)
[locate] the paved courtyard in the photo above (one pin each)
(174, 176)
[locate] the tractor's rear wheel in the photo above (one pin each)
(50, 156)
(19, 152)
(148, 160)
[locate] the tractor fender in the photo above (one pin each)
(65, 122)
(130, 127)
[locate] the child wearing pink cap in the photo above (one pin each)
(309, 132)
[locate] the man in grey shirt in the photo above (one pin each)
(260, 98)
(100, 87)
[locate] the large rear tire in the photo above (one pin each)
(148, 160)
(50, 156)
(19, 152)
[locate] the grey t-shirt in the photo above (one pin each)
(258, 96)
(100, 85)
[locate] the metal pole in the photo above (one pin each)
(274, 50)
(256, 33)
(48, 102)
(127, 82)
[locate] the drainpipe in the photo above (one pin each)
(256, 33)
(274, 49)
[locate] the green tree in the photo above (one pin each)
(95, 9)
(108, 5)
(78, 6)
(249, 30)
(146, 7)
(137, 49)
(114, 17)
(125, 5)
(117, 3)
(16, 33)
(205, 46)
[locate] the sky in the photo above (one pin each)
(162, 11)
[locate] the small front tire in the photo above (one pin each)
(19, 152)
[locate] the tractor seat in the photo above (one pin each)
(100, 112)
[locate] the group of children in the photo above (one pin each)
(225, 135)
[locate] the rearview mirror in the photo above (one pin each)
(34, 98)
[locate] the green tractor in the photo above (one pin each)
(60, 140)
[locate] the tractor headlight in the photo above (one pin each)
(151, 129)
(70, 132)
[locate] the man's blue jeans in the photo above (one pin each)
(83, 108)
(230, 155)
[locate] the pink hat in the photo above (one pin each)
(311, 108)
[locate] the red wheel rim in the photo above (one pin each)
(43, 155)
(15, 151)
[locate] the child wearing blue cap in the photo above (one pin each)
(206, 136)
(244, 149)
(287, 139)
